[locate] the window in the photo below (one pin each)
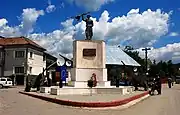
(19, 69)
(31, 54)
(3, 79)
(30, 69)
(19, 54)
(8, 79)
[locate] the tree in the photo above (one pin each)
(165, 67)
(153, 70)
(172, 70)
(129, 50)
(154, 62)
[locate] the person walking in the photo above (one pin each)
(169, 82)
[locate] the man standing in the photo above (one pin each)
(169, 82)
(89, 27)
(159, 84)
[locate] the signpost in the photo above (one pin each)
(63, 73)
(62, 70)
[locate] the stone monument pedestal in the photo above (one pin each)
(89, 57)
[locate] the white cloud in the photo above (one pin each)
(6, 30)
(29, 18)
(168, 52)
(133, 11)
(58, 41)
(173, 34)
(137, 29)
(3, 22)
(92, 5)
(50, 8)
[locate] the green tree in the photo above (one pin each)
(154, 62)
(171, 68)
(134, 54)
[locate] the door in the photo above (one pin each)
(20, 79)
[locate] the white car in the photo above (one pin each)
(5, 82)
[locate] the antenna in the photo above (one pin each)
(68, 63)
(123, 63)
(60, 61)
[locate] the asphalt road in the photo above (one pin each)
(13, 103)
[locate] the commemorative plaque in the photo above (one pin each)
(89, 52)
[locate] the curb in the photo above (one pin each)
(88, 104)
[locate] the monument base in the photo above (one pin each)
(84, 74)
(123, 90)
(83, 84)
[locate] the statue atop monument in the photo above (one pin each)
(89, 27)
(89, 24)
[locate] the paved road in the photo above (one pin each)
(13, 103)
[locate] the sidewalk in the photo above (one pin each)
(94, 101)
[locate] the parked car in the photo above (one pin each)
(5, 82)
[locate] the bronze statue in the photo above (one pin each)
(89, 27)
(89, 24)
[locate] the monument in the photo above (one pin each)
(89, 62)
(89, 57)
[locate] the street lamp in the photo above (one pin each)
(146, 51)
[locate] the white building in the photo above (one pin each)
(19, 56)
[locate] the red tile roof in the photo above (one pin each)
(18, 41)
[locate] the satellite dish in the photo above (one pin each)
(135, 69)
(68, 63)
(60, 61)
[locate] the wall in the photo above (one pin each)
(1, 60)
(11, 61)
(89, 62)
(36, 62)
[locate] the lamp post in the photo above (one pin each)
(146, 51)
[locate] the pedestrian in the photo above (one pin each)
(159, 84)
(169, 82)
(46, 81)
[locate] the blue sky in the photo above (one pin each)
(12, 10)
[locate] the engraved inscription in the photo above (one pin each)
(89, 52)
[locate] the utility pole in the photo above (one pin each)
(146, 51)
